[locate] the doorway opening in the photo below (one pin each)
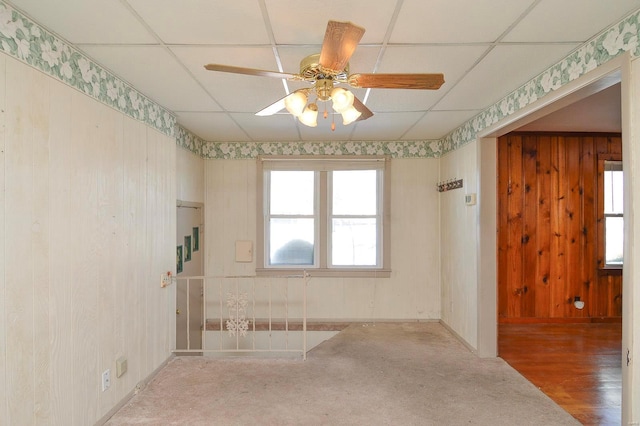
(189, 262)
(605, 77)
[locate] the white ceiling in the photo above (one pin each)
(485, 48)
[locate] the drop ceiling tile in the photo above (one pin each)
(503, 70)
(204, 21)
(234, 92)
(569, 20)
(437, 124)
(273, 128)
(452, 61)
(87, 21)
(455, 21)
(212, 126)
(154, 72)
(296, 22)
(323, 132)
(385, 126)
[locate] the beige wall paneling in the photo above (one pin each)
(110, 242)
(458, 244)
(40, 250)
(239, 213)
(415, 261)
(161, 226)
(82, 247)
(62, 196)
(27, 259)
(88, 226)
(230, 214)
(133, 307)
(214, 202)
(413, 291)
(190, 176)
(4, 414)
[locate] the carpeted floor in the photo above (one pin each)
(372, 374)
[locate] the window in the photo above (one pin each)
(326, 215)
(613, 213)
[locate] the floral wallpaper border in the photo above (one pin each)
(395, 149)
(26, 41)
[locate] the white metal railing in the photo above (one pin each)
(247, 314)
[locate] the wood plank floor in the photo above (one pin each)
(576, 365)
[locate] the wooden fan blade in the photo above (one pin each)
(364, 111)
(248, 71)
(340, 41)
(397, 81)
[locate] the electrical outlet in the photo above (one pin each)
(106, 379)
(165, 279)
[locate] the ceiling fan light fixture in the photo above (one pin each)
(309, 116)
(295, 103)
(342, 99)
(350, 115)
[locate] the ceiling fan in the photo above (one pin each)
(325, 71)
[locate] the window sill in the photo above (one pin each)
(341, 273)
(610, 270)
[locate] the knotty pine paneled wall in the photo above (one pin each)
(548, 227)
(87, 225)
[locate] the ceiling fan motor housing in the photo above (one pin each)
(311, 70)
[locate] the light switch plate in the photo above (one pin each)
(470, 199)
(121, 366)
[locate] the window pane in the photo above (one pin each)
(354, 192)
(614, 229)
(613, 191)
(291, 241)
(292, 192)
(354, 242)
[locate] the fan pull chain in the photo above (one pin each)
(333, 123)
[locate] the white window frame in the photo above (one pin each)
(322, 165)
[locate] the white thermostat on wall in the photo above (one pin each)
(470, 199)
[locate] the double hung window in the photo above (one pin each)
(613, 213)
(323, 214)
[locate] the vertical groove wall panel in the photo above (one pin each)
(588, 185)
(134, 157)
(558, 258)
(61, 202)
(20, 336)
(503, 227)
(515, 286)
(548, 225)
(109, 198)
(83, 242)
(40, 258)
(152, 221)
(543, 231)
(572, 216)
(4, 408)
(528, 240)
